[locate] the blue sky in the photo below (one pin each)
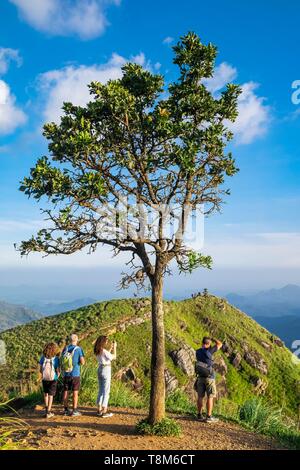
(49, 50)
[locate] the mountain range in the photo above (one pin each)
(52, 308)
(278, 310)
(269, 303)
(12, 315)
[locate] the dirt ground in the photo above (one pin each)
(90, 432)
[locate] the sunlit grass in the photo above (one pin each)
(9, 427)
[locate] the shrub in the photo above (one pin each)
(166, 427)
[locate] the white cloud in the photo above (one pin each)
(168, 40)
(254, 115)
(70, 83)
(11, 116)
(223, 74)
(8, 55)
(84, 18)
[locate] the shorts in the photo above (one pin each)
(49, 387)
(206, 386)
(71, 384)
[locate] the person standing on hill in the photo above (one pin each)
(50, 370)
(206, 381)
(104, 355)
(72, 359)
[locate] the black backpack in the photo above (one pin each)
(203, 370)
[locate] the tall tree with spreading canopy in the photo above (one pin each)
(130, 168)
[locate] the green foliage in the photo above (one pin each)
(120, 394)
(8, 426)
(259, 416)
(145, 142)
(178, 402)
(194, 260)
(166, 427)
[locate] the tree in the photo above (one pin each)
(132, 165)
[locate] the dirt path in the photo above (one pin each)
(90, 432)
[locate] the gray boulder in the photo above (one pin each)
(170, 381)
(184, 358)
(220, 365)
(236, 359)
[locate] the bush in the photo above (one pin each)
(166, 427)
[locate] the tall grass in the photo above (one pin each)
(120, 394)
(179, 402)
(256, 414)
(8, 427)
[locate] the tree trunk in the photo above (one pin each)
(157, 395)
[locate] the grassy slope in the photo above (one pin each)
(24, 345)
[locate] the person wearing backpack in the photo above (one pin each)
(72, 359)
(50, 370)
(206, 383)
(104, 355)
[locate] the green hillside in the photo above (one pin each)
(252, 362)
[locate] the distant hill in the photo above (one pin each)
(286, 327)
(253, 361)
(269, 303)
(52, 308)
(13, 315)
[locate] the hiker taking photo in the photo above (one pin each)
(50, 370)
(206, 380)
(71, 359)
(105, 353)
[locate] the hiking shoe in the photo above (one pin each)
(100, 413)
(106, 415)
(49, 415)
(76, 413)
(211, 419)
(67, 412)
(201, 417)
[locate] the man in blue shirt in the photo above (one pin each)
(72, 374)
(206, 384)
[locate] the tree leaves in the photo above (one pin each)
(139, 144)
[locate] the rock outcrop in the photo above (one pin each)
(184, 358)
(170, 381)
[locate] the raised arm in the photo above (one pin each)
(219, 343)
(113, 350)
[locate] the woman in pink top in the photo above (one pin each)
(104, 354)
